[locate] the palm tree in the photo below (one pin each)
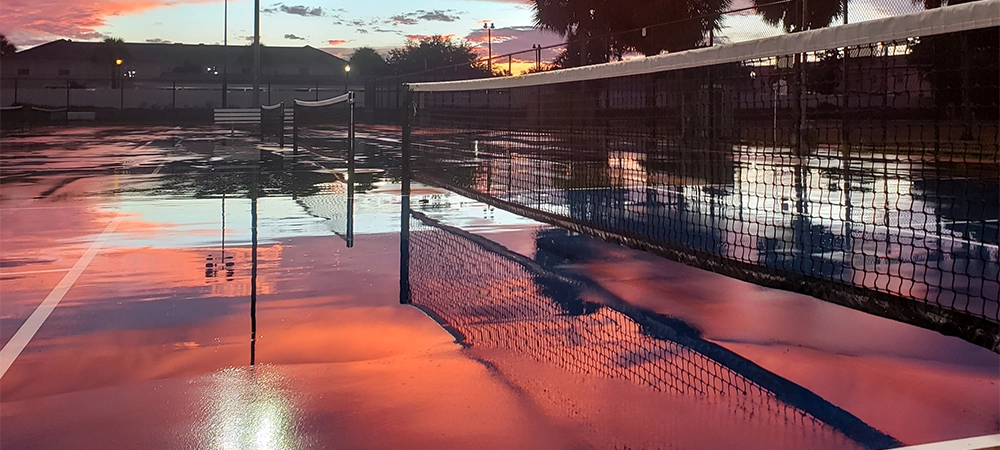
(7, 48)
(788, 16)
(597, 30)
(111, 53)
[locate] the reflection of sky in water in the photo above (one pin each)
(196, 222)
(246, 408)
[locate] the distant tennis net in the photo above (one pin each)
(325, 127)
(272, 122)
(858, 163)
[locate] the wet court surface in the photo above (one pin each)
(166, 250)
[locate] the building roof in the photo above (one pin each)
(179, 54)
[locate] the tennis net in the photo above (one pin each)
(272, 122)
(857, 164)
(325, 127)
(509, 308)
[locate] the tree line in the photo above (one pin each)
(598, 31)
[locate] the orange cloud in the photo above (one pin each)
(29, 22)
(418, 37)
(336, 42)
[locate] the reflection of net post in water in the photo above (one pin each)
(493, 299)
(326, 128)
(852, 163)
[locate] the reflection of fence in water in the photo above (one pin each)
(331, 203)
(499, 300)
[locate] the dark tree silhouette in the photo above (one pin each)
(788, 16)
(367, 63)
(7, 48)
(436, 52)
(108, 54)
(599, 30)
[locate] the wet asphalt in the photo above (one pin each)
(165, 288)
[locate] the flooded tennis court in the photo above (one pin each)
(181, 288)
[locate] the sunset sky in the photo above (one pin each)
(338, 27)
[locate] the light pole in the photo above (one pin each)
(121, 83)
(225, 53)
(347, 76)
(256, 53)
(538, 56)
(489, 45)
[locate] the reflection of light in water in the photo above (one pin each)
(247, 409)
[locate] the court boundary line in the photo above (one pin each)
(972, 443)
(33, 272)
(30, 327)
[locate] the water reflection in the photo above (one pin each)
(854, 223)
(247, 408)
(508, 308)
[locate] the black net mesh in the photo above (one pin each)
(495, 299)
(324, 127)
(866, 174)
(272, 123)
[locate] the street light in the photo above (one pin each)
(347, 76)
(538, 56)
(489, 45)
(121, 83)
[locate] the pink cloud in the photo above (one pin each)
(29, 22)
(417, 37)
(337, 42)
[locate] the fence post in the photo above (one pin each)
(15, 90)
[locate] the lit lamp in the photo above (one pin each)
(347, 76)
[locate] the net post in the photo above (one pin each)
(350, 171)
(404, 219)
(281, 127)
(295, 128)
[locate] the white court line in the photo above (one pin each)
(974, 443)
(27, 331)
(32, 272)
